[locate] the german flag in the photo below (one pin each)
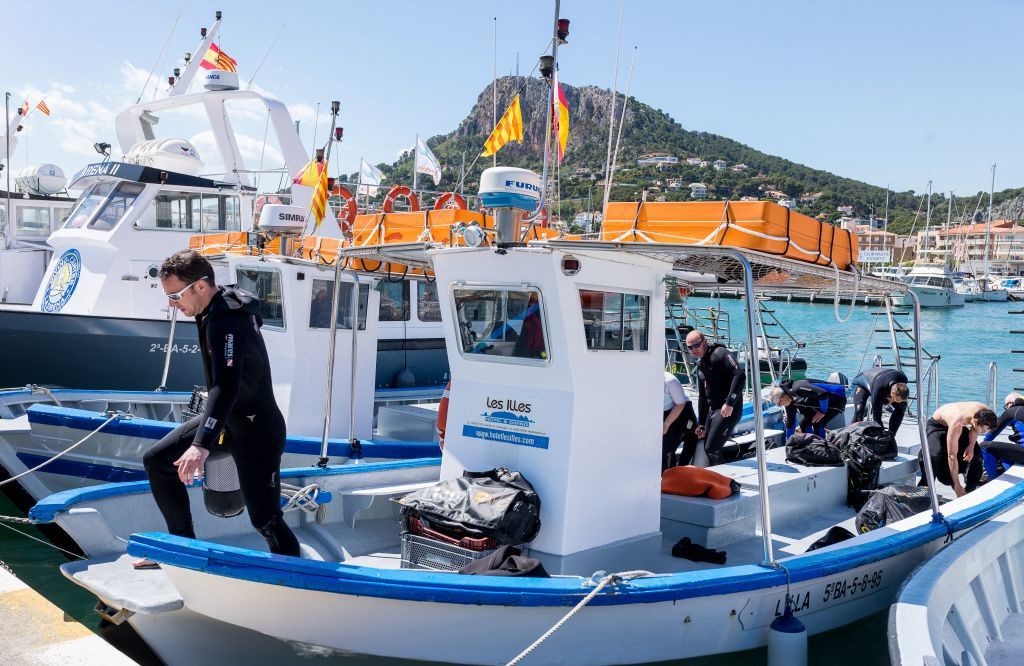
(509, 128)
(217, 59)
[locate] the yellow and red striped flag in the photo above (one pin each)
(509, 128)
(560, 113)
(23, 110)
(217, 59)
(43, 108)
(314, 175)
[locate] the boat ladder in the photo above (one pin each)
(779, 347)
(1017, 371)
(900, 344)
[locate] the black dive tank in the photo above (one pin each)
(222, 493)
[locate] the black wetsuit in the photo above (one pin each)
(241, 406)
(810, 397)
(1011, 452)
(875, 386)
(720, 383)
(937, 450)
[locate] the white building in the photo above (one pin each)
(693, 161)
(740, 167)
(719, 165)
(661, 161)
(788, 203)
(845, 210)
(698, 190)
(965, 246)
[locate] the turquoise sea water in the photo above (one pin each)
(967, 338)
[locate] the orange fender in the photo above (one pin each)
(442, 414)
(400, 191)
(450, 200)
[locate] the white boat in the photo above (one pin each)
(37, 204)
(975, 290)
(99, 298)
(1014, 287)
(557, 403)
(890, 272)
(933, 286)
(966, 604)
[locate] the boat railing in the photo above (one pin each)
(992, 392)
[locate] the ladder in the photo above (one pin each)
(1017, 371)
(676, 358)
(778, 349)
(901, 341)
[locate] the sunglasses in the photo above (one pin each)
(694, 345)
(176, 296)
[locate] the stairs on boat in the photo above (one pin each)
(901, 341)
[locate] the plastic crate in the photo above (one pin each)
(423, 548)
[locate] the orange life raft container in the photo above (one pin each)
(754, 225)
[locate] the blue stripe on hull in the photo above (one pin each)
(83, 470)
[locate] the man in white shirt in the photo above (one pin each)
(678, 424)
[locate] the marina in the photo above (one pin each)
(258, 408)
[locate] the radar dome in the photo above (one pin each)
(177, 155)
(509, 187)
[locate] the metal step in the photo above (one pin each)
(895, 313)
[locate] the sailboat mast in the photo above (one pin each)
(988, 225)
(928, 217)
(415, 160)
(949, 218)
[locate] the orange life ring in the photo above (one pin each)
(450, 200)
(400, 191)
(348, 208)
(442, 414)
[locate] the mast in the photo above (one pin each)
(611, 114)
(885, 222)
(7, 139)
(928, 217)
(949, 218)
(988, 225)
(494, 89)
(415, 160)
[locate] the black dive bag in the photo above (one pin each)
(498, 503)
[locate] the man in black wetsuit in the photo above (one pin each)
(818, 403)
(720, 397)
(996, 456)
(880, 387)
(240, 406)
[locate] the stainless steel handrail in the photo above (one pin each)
(993, 384)
(921, 419)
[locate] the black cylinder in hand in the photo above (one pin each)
(222, 492)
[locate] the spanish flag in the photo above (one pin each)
(509, 128)
(217, 59)
(314, 175)
(560, 113)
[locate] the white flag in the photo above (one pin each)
(370, 178)
(426, 162)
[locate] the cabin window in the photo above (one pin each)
(614, 321)
(323, 295)
(118, 203)
(33, 220)
(192, 212)
(87, 204)
(265, 284)
(394, 300)
(505, 323)
(427, 307)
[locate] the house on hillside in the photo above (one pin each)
(675, 184)
(788, 203)
(719, 165)
(698, 190)
(660, 160)
(845, 210)
(740, 167)
(810, 198)
(749, 199)
(775, 194)
(704, 164)
(693, 161)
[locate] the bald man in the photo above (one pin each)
(720, 399)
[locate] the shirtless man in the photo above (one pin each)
(953, 432)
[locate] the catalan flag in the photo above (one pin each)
(217, 59)
(45, 110)
(314, 175)
(509, 128)
(560, 114)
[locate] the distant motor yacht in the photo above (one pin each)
(934, 287)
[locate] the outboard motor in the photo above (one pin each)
(509, 193)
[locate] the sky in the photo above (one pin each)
(891, 93)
